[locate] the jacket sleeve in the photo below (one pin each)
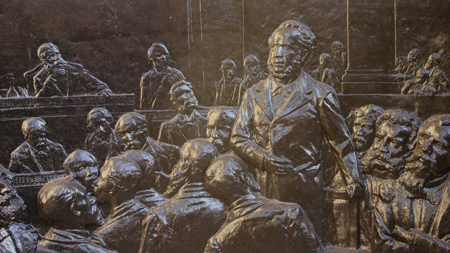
(339, 138)
(241, 141)
(149, 238)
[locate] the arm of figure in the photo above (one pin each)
(303, 232)
(340, 140)
(384, 239)
(92, 84)
(149, 238)
(163, 135)
(212, 246)
(423, 241)
(243, 144)
(407, 87)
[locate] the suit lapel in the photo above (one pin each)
(299, 97)
(263, 97)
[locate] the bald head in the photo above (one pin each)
(83, 166)
(228, 178)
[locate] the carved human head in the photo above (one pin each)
(290, 46)
(119, 181)
(133, 129)
(35, 132)
(195, 157)
(337, 48)
(362, 122)
(183, 97)
(64, 203)
(228, 178)
(431, 154)
(12, 206)
(83, 166)
(434, 60)
(49, 54)
(228, 68)
(414, 55)
(324, 59)
(251, 64)
(396, 131)
(147, 164)
(159, 55)
(219, 126)
(99, 121)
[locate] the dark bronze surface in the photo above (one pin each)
(286, 172)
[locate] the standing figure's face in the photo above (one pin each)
(51, 57)
(363, 133)
(159, 56)
(337, 49)
(252, 68)
(284, 55)
(100, 125)
(185, 100)
(218, 132)
(133, 136)
(228, 72)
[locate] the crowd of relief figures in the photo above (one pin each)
(251, 176)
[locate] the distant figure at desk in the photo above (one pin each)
(58, 77)
(36, 153)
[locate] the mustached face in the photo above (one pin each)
(363, 133)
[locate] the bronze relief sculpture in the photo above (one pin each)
(279, 169)
(267, 130)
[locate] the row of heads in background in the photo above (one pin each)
(387, 140)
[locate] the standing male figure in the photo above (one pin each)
(253, 73)
(283, 122)
(156, 83)
(437, 77)
(228, 88)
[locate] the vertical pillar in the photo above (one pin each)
(371, 36)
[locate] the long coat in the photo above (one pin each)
(310, 115)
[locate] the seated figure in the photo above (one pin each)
(325, 73)
(103, 142)
(420, 84)
(188, 124)
(147, 193)
(255, 223)
(414, 215)
(229, 88)
(83, 166)
(117, 185)
(132, 127)
(58, 77)
(411, 65)
(69, 211)
(437, 77)
(186, 222)
(253, 73)
(36, 153)
(156, 83)
(15, 236)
